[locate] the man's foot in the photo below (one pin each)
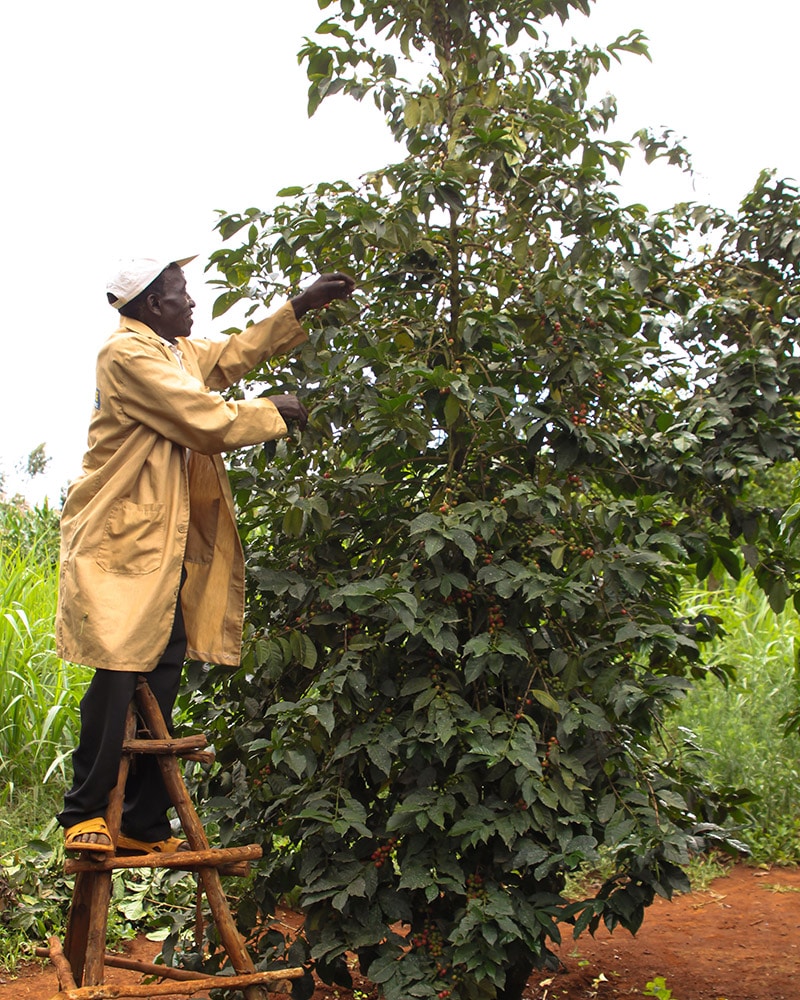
(130, 845)
(89, 835)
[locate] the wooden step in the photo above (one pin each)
(276, 981)
(187, 747)
(183, 860)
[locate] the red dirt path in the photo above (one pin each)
(737, 940)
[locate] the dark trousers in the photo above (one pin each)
(96, 759)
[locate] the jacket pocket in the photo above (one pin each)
(202, 534)
(133, 538)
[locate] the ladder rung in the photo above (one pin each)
(186, 860)
(176, 747)
(278, 980)
(148, 968)
(182, 975)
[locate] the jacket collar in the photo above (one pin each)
(134, 326)
(143, 330)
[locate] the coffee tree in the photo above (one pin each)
(535, 421)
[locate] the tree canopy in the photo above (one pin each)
(537, 419)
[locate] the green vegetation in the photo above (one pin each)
(658, 988)
(38, 692)
(37, 723)
(740, 726)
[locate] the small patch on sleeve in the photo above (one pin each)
(97, 399)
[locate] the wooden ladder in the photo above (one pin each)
(81, 961)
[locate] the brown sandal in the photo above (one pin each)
(87, 826)
(169, 846)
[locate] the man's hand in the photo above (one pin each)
(325, 289)
(291, 409)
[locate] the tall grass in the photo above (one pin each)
(740, 726)
(39, 694)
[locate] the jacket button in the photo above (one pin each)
(182, 528)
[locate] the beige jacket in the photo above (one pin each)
(153, 496)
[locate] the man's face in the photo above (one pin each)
(175, 307)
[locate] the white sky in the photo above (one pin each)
(215, 94)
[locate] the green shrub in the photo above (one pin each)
(533, 424)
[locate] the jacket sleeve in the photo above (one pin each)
(147, 387)
(223, 362)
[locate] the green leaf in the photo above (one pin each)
(303, 650)
(293, 522)
(411, 113)
(639, 277)
(380, 757)
(223, 302)
(452, 409)
(546, 699)
(730, 562)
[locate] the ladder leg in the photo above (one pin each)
(196, 835)
(77, 934)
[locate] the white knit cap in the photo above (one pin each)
(135, 274)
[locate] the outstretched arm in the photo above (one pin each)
(223, 362)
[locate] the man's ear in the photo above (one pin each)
(153, 303)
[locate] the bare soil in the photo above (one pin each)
(737, 940)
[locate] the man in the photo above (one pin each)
(151, 563)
